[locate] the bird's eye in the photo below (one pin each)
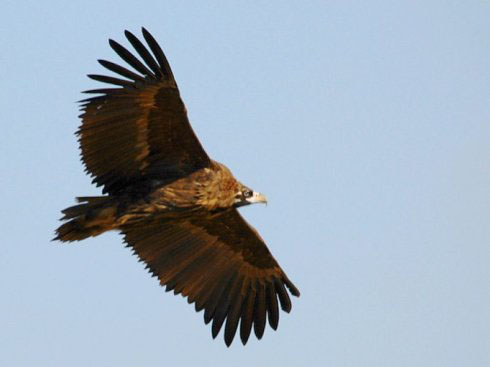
(247, 193)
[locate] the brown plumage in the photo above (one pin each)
(176, 207)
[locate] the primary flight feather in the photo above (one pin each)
(176, 207)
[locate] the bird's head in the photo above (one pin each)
(247, 196)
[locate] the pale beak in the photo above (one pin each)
(257, 197)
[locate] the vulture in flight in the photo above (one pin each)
(175, 206)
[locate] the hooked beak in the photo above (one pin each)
(257, 197)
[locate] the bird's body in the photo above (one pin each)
(208, 190)
(176, 207)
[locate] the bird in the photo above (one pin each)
(174, 205)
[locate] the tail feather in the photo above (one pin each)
(92, 217)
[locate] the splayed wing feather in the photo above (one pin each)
(130, 58)
(110, 80)
(247, 315)
(143, 52)
(159, 55)
(272, 307)
(121, 71)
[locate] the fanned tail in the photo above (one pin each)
(95, 215)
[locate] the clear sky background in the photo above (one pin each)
(367, 125)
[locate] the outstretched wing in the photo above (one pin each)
(138, 130)
(220, 263)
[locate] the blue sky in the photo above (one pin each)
(366, 124)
